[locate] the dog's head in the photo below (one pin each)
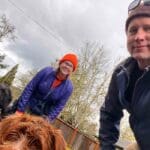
(29, 133)
(5, 96)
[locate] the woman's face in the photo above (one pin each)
(66, 68)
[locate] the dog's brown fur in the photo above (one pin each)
(28, 132)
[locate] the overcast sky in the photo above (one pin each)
(46, 29)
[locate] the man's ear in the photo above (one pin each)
(58, 141)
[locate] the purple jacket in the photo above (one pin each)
(40, 99)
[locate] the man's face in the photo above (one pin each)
(138, 38)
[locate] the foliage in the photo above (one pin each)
(20, 83)
(127, 134)
(2, 66)
(6, 29)
(89, 89)
(125, 130)
(10, 75)
(24, 78)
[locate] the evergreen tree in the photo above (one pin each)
(6, 32)
(10, 75)
(2, 66)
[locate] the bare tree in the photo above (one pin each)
(20, 82)
(6, 29)
(89, 87)
(23, 79)
(127, 134)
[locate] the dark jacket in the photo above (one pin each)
(40, 99)
(115, 102)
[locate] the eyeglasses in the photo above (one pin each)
(137, 3)
(69, 64)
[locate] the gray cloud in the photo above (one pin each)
(48, 28)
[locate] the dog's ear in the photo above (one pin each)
(5, 95)
(58, 141)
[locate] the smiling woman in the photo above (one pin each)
(47, 93)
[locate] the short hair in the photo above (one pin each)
(28, 132)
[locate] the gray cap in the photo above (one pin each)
(140, 11)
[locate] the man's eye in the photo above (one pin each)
(147, 28)
(132, 31)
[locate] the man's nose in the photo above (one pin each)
(140, 35)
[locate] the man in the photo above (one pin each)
(130, 84)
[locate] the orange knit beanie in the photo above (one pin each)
(72, 58)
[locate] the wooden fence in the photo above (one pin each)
(79, 141)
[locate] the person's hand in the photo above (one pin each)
(19, 113)
(46, 118)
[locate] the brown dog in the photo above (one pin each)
(28, 132)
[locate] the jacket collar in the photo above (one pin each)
(127, 65)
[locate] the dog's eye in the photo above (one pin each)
(34, 143)
(13, 136)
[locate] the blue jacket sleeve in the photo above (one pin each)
(29, 89)
(55, 110)
(110, 116)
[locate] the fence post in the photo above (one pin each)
(96, 147)
(73, 136)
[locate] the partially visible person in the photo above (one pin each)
(130, 83)
(47, 93)
(28, 132)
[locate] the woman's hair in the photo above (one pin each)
(28, 132)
